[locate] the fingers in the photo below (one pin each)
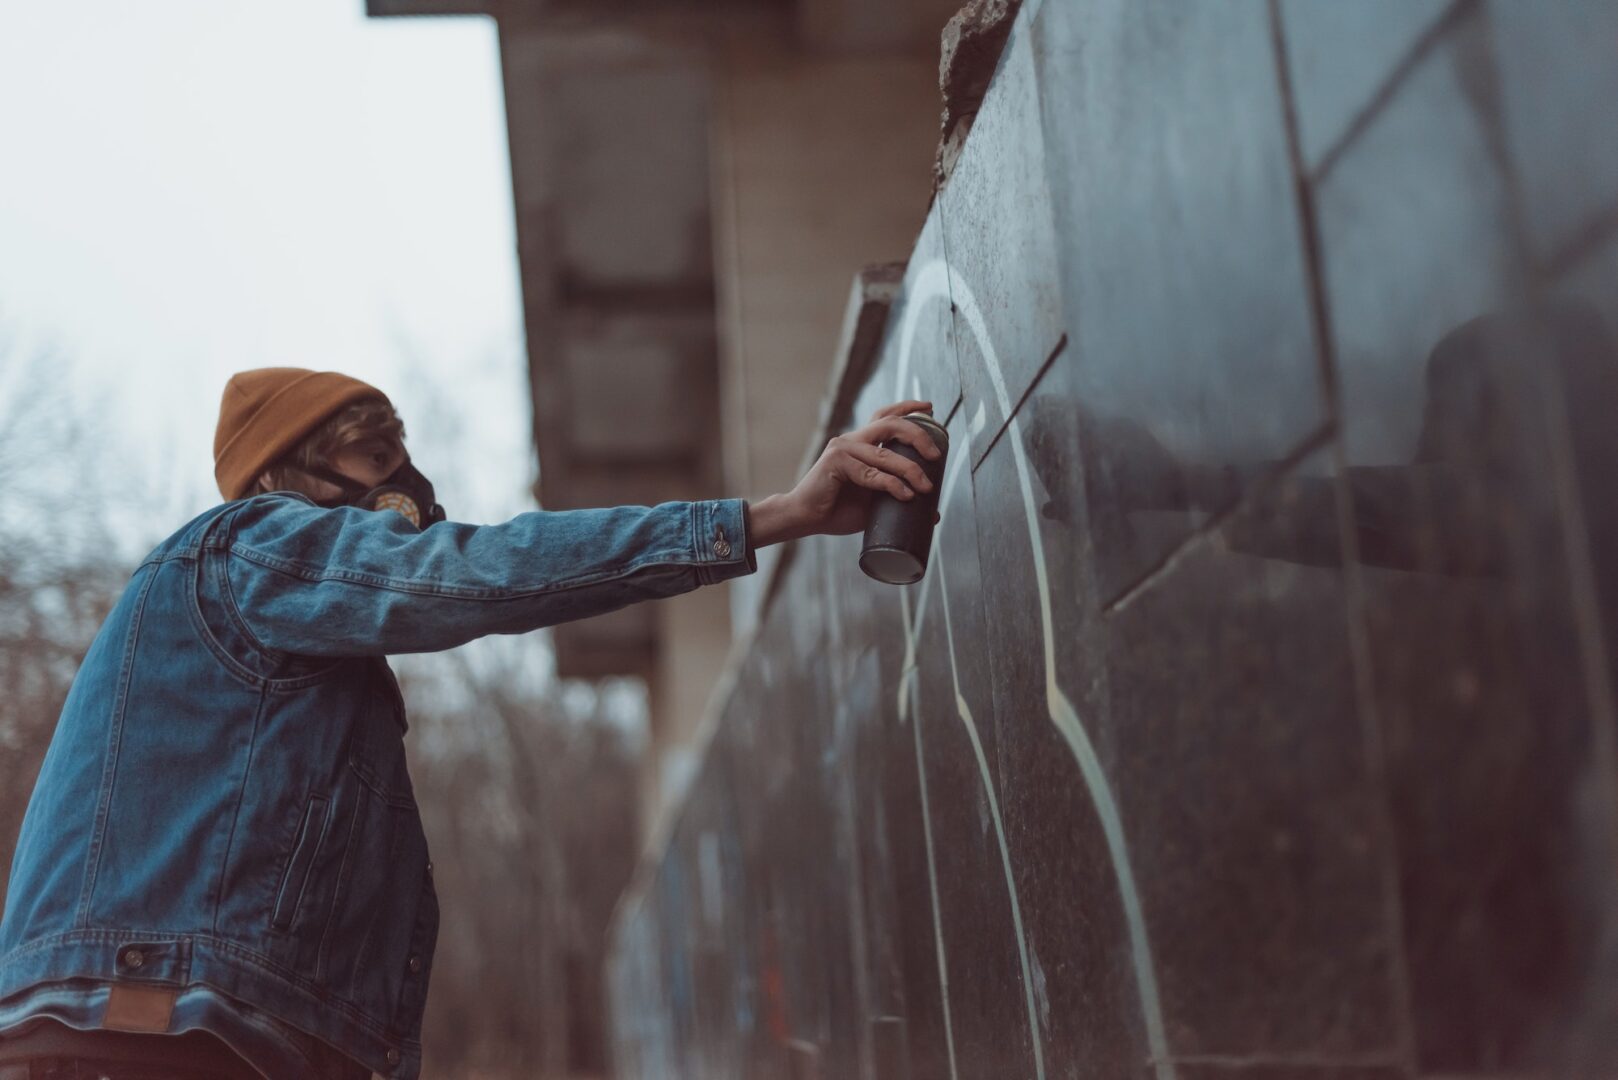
(899, 408)
(869, 476)
(911, 476)
(904, 431)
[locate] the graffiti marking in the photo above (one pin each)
(937, 281)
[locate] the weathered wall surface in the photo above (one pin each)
(1256, 716)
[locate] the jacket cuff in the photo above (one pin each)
(724, 549)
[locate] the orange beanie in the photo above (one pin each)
(266, 411)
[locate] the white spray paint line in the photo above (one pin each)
(932, 883)
(912, 629)
(926, 291)
(953, 472)
(906, 677)
(954, 469)
(929, 286)
(937, 281)
(965, 713)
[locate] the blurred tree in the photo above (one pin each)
(529, 804)
(60, 571)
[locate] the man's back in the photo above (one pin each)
(213, 812)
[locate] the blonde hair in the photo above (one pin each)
(367, 418)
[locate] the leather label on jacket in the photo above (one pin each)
(139, 1008)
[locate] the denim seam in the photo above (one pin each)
(694, 542)
(363, 954)
(296, 570)
(326, 814)
(344, 869)
(233, 613)
(710, 564)
(740, 545)
(233, 609)
(86, 936)
(308, 986)
(235, 951)
(109, 771)
(236, 669)
(411, 993)
(377, 788)
(199, 625)
(375, 1026)
(236, 815)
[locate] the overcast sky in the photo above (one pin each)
(193, 187)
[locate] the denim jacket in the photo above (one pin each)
(225, 802)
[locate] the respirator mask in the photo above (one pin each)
(405, 490)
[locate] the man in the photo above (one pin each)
(222, 871)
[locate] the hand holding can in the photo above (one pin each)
(899, 533)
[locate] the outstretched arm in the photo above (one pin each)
(347, 582)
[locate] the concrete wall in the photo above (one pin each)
(1256, 716)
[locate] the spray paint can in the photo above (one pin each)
(899, 533)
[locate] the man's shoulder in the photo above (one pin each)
(189, 536)
(268, 502)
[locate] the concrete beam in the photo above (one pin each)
(384, 8)
(863, 27)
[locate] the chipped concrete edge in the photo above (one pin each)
(970, 50)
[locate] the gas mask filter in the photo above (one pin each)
(405, 491)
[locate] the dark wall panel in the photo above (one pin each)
(1183, 277)
(1256, 717)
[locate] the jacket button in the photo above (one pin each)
(415, 964)
(721, 548)
(134, 958)
(393, 1056)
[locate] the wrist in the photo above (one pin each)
(772, 521)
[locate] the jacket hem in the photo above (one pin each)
(227, 967)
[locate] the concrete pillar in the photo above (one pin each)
(821, 166)
(693, 635)
(860, 26)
